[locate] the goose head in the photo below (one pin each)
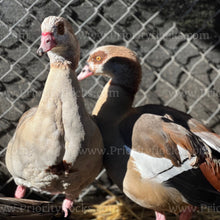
(117, 62)
(59, 41)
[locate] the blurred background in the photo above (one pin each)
(177, 42)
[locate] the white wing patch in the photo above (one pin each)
(159, 169)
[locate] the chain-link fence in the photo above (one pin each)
(177, 42)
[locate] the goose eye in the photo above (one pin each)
(60, 28)
(98, 58)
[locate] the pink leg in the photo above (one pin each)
(187, 213)
(160, 216)
(20, 192)
(67, 205)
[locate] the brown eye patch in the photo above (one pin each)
(98, 57)
(60, 28)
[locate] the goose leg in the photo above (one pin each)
(160, 216)
(187, 213)
(67, 205)
(20, 191)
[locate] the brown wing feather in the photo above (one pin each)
(159, 133)
(210, 169)
(158, 136)
(178, 117)
(186, 139)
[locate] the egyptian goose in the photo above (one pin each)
(161, 158)
(51, 147)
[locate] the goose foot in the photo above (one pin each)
(187, 213)
(67, 205)
(160, 216)
(20, 191)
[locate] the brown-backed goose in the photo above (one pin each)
(51, 147)
(161, 158)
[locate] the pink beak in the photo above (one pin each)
(86, 72)
(47, 43)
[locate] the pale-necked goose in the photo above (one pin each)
(161, 158)
(52, 145)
